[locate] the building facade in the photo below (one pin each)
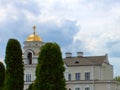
(89, 73)
(82, 72)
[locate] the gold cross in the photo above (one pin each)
(34, 28)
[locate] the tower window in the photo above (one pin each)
(29, 56)
(28, 77)
(36, 44)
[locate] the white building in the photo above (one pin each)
(82, 72)
(89, 73)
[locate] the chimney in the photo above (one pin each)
(68, 54)
(79, 54)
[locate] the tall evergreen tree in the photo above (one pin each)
(30, 86)
(2, 75)
(50, 69)
(14, 66)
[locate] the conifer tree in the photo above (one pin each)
(2, 75)
(30, 86)
(14, 66)
(50, 69)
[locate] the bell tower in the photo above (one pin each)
(31, 51)
(32, 47)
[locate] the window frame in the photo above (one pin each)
(77, 88)
(69, 77)
(87, 75)
(77, 76)
(28, 77)
(87, 88)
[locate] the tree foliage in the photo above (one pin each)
(2, 75)
(117, 78)
(14, 79)
(50, 69)
(30, 87)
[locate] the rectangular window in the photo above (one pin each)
(69, 77)
(87, 76)
(87, 88)
(77, 76)
(77, 88)
(28, 77)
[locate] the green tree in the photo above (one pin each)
(50, 69)
(117, 78)
(14, 79)
(2, 75)
(30, 87)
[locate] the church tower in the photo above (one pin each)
(31, 51)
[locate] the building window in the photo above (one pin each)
(29, 56)
(87, 88)
(69, 77)
(77, 76)
(77, 88)
(28, 77)
(87, 76)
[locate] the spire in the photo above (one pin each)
(34, 28)
(34, 36)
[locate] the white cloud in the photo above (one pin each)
(98, 21)
(8, 12)
(96, 40)
(2, 15)
(29, 15)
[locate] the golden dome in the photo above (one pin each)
(34, 37)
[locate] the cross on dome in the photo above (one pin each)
(34, 28)
(34, 36)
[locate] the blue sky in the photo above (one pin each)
(91, 26)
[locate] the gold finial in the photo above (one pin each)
(34, 28)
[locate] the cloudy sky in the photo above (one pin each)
(90, 26)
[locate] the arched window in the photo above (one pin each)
(29, 57)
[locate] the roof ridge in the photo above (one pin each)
(97, 56)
